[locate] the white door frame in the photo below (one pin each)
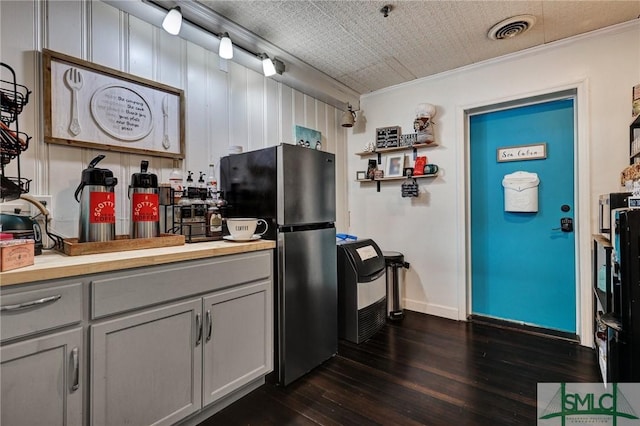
(582, 196)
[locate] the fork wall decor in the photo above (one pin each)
(92, 106)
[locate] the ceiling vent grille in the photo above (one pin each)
(511, 27)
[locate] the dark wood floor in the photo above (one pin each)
(423, 371)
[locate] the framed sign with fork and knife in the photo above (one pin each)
(92, 106)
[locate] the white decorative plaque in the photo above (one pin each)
(92, 106)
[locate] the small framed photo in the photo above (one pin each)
(395, 164)
(361, 175)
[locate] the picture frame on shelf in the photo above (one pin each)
(361, 175)
(371, 168)
(408, 139)
(394, 166)
(388, 137)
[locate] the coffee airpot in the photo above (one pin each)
(145, 207)
(97, 204)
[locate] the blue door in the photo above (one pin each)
(522, 264)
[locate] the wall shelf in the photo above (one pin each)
(431, 175)
(378, 152)
(381, 151)
(377, 181)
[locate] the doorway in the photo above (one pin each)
(523, 265)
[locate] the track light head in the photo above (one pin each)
(225, 49)
(268, 68)
(173, 21)
(348, 118)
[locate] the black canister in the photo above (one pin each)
(97, 204)
(145, 204)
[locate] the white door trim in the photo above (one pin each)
(584, 299)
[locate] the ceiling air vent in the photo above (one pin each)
(511, 27)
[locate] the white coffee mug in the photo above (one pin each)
(244, 228)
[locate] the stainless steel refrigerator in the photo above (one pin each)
(293, 189)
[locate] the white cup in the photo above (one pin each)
(244, 228)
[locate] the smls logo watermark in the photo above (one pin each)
(591, 404)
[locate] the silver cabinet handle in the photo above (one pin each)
(198, 329)
(209, 324)
(26, 305)
(75, 368)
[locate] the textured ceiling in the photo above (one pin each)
(355, 44)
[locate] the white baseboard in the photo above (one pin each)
(431, 309)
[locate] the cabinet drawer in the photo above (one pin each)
(137, 288)
(29, 312)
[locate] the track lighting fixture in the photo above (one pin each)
(268, 68)
(225, 51)
(173, 21)
(348, 117)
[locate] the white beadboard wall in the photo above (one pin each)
(237, 107)
(431, 230)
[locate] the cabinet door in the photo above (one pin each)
(41, 382)
(238, 337)
(146, 368)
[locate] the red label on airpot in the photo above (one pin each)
(103, 207)
(145, 207)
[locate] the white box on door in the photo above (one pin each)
(521, 192)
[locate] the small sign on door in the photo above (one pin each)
(522, 152)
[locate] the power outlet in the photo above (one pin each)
(15, 205)
(45, 200)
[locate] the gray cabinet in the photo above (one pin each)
(161, 365)
(162, 350)
(41, 357)
(50, 307)
(237, 336)
(165, 344)
(146, 367)
(41, 380)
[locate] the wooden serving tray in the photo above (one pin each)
(122, 243)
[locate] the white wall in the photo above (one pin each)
(238, 107)
(430, 230)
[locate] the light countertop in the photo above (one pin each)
(53, 265)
